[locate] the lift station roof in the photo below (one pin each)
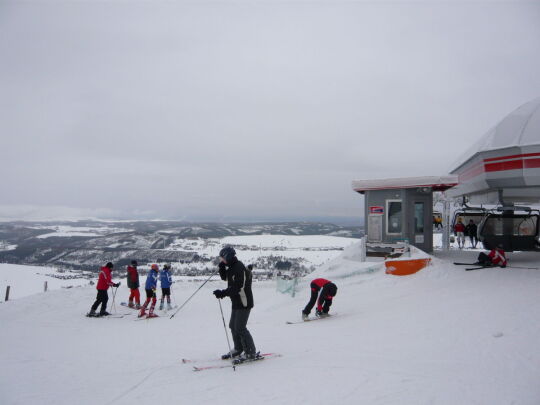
(504, 165)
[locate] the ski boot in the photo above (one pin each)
(169, 307)
(234, 353)
(161, 303)
(142, 312)
(247, 357)
(324, 315)
(151, 315)
(92, 314)
(305, 317)
(103, 313)
(130, 304)
(137, 306)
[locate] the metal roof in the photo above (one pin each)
(437, 183)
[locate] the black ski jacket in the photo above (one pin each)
(238, 284)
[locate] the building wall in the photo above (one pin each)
(408, 198)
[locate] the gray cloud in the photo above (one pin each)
(248, 109)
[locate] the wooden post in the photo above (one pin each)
(45, 286)
(7, 293)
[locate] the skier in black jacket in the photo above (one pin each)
(239, 290)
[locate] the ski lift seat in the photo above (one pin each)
(515, 232)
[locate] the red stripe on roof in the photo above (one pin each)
(531, 163)
(503, 166)
(512, 157)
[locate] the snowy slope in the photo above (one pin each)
(441, 336)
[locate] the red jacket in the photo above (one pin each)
(319, 282)
(459, 227)
(105, 279)
(497, 257)
(132, 277)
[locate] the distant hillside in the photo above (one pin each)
(88, 244)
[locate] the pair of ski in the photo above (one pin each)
(140, 318)
(105, 316)
(478, 267)
(238, 362)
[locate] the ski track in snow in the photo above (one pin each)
(441, 336)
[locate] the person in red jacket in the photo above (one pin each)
(328, 292)
(133, 285)
(104, 282)
(496, 257)
(459, 231)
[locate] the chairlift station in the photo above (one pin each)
(501, 170)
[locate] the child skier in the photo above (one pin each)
(166, 282)
(150, 287)
(104, 282)
(328, 292)
(133, 285)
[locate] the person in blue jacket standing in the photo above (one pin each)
(166, 282)
(150, 287)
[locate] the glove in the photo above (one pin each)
(222, 266)
(219, 294)
(318, 313)
(117, 284)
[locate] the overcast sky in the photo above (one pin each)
(247, 109)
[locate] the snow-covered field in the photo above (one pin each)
(311, 250)
(28, 280)
(441, 336)
(69, 231)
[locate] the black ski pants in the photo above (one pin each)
(243, 342)
(102, 298)
(314, 294)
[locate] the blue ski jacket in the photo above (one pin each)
(151, 280)
(165, 279)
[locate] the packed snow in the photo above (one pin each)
(441, 336)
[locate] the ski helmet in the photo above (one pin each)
(134, 263)
(167, 266)
(109, 265)
(155, 267)
(227, 253)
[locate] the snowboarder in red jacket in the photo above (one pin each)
(133, 285)
(328, 292)
(104, 282)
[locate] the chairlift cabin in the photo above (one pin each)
(511, 230)
(467, 214)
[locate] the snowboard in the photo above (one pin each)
(317, 318)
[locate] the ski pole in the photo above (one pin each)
(227, 335)
(186, 301)
(113, 306)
